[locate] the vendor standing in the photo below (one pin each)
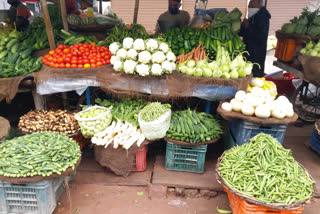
(73, 7)
(255, 32)
(174, 15)
(19, 14)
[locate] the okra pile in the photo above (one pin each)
(38, 154)
(193, 127)
(263, 169)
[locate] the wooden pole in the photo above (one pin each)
(136, 9)
(64, 14)
(100, 7)
(47, 21)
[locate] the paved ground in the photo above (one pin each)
(95, 190)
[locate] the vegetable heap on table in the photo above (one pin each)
(222, 67)
(196, 54)
(124, 129)
(308, 23)
(93, 120)
(153, 111)
(311, 49)
(56, 121)
(264, 85)
(89, 18)
(77, 56)
(193, 127)
(264, 170)
(119, 133)
(72, 38)
(38, 154)
(231, 20)
(260, 103)
(119, 33)
(143, 57)
(36, 35)
(15, 57)
(184, 40)
(126, 110)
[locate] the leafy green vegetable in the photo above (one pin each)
(235, 14)
(289, 27)
(125, 110)
(301, 29)
(313, 30)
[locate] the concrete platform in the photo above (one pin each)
(207, 180)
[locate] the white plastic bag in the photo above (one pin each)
(157, 129)
(108, 11)
(91, 126)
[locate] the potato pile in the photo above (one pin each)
(56, 121)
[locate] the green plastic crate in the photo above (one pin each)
(185, 158)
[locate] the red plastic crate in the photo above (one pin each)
(284, 86)
(140, 161)
(241, 206)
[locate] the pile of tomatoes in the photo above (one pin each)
(78, 56)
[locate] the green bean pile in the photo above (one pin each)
(38, 154)
(154, 111)
(263, 169)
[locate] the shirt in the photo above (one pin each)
(182, 17)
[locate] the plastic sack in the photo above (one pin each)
(108, 11)
(157, 129)
(313, 5)
(91, 126)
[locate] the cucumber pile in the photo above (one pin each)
(16, 58)
(39, 154)
(193, 127)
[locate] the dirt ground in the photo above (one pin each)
(107, 197)
(98, 199)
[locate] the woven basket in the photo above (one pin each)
(254, 201)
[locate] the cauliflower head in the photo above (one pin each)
(127, 43)
(144, 57)
(143, 69)
(129, 66)
(158, 57)
(171, 57)
(156, 69)
(138, 45)
(132, 54)
(122, 53)
(118, 66)
(152, 45)
(114, 47)
(164, 47)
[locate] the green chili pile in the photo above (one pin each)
(263, 169)
(39, 154)
(154, 111)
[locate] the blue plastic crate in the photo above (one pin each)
(185, 158)
(30, 198)
(315, 141)
(243, 131)
(228, 140)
